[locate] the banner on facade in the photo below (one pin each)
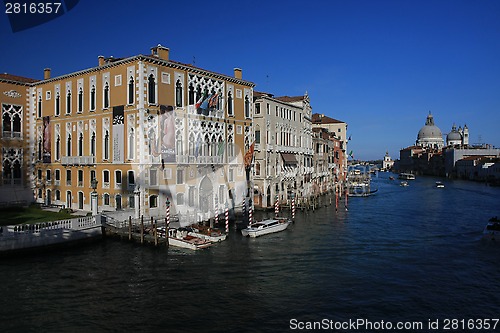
(118, 137)
(166, 133)
(46, 140)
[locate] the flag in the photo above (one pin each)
(204, 106)
(249, 156)
(220, 151)
(212, 103)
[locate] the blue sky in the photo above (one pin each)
(380, 66)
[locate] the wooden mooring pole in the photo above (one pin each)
(142, 229)
(130, 228)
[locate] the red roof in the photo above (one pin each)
(290, 99)
(16, 78)
(318, 118)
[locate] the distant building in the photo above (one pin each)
(457, 159)
(430, 135)
(387, 163)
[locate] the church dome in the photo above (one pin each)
(454, 137)
(430, 135)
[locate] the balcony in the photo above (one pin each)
(78, 160)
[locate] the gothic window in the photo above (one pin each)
(247, 107)
(191, 95)
(58, 104)
(39, 106)
(68, 146)
(151, 89)
(131, 144)
(229, 104)
(68, 102)
(131, 91)
(92, 144)
(92, 98)
(198, 93)
(106, 145)
(106, 96)
(178, 93)
(58, 148)
(80, 100)
(257, 135)
(11, 121)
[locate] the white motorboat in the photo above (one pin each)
(211, 234)
(180, 238)
(492, 229)
(403, 183)
(407, 176)
(439, 184)
(266, 227)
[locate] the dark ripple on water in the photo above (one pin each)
(405, 254)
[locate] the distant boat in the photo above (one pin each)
(266, 227)
(492, 229)
(407, 176)
(391, 178)
(404, 183)
(439, 185)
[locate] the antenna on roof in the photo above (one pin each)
(194, 60)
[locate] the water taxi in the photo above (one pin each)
(266, 227)
(407, 176)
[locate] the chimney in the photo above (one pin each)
(101, 60)
(46, 73)
(237, 73)
(160, 52)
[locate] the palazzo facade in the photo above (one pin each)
(147, 129)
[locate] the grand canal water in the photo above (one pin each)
(404, 255)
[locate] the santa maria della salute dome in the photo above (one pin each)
(430, 136)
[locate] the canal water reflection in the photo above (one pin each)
(405, 254)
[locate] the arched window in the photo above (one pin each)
(229, 104)
(92, 98)
(68, 146)
(92, 144)
(68, 102)
(153, 201)
(191, 95)
(58, 104)
(131, 91)
(39, 106)
(80, 145)
(151, 89)
(106, 199)
(247, 107)
(106, 145)
(80, 100)
(58, 148)
(178, 93)
(131, 179)
(131, 144)
(106, 96)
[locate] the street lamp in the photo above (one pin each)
(93, 196)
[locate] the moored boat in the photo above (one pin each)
(439, 184)
(266, 227)
(211, 234)
(180, 238)
(404, 183)
(492, 229)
